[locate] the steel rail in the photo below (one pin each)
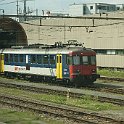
(112, 79)
(63, 93)
(71, 113)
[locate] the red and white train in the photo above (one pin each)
(71, 63)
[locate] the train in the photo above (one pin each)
(70, 62)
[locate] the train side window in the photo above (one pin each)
(21, 58)
(16, 58)
(39, 59)
(33, 59)
(11, 57)
(45, 59)
(6, 58)
(69, 60)
(76, 60)
(52, 59)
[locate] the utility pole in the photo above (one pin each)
(2, 11)
(24, 10)
(17, 7)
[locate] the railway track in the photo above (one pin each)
(97, 87)
(112, 79)
(63, 93)
(56, 110)
(106, 89)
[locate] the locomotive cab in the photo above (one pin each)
(82, 67)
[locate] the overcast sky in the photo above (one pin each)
(52, 5)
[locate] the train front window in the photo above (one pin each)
(76, 60)
(93, 60)
(85, 60)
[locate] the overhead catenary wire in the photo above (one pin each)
(99, 25)
(11, 2)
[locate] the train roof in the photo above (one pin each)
(47, 49)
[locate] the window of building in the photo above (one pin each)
(118, 8)
(99, 7)
(111, 52)
(91, 7)
(101, 51)
(120, 52)
(104, 7)
(84, 10)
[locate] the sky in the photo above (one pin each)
(10, 7)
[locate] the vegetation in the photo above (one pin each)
(9, 116)
(85, 102)
(111, 73)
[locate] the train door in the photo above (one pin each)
(59, 66)
(1, 63)
(27, 62)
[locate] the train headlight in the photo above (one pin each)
(94, 71)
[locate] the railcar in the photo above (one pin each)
(69, 63)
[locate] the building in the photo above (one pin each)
(120, 6)
(91, 8)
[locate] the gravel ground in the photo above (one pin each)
(111, 84)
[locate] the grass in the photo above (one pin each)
(85, 102)
(110, 73)
(9, 116)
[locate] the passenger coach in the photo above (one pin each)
(70, 63)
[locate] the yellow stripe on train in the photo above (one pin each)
(1, 63)
(59, 66)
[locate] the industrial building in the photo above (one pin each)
(93, 8)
